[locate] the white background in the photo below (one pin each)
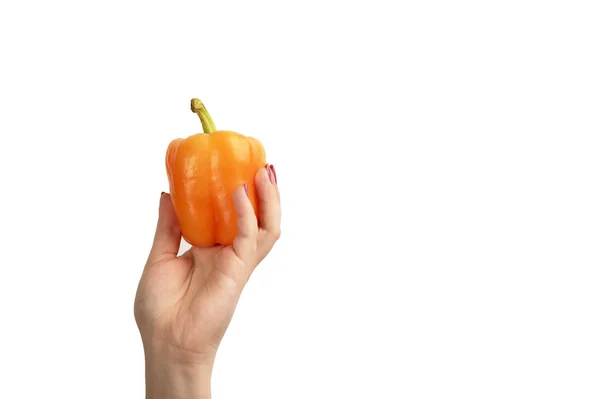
(439, 169)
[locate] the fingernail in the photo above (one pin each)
(270, 172)
(274, 174)
(246, 188)
(163, 193)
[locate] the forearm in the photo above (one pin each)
(170, 378)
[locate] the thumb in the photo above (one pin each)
(168, 234)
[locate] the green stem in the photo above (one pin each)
(199, 109)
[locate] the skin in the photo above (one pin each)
(184, 304)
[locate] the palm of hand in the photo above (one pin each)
(192, 298)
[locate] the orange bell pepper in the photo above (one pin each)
(204, 170)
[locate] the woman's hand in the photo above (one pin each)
(184, 304)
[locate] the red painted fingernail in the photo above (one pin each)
(269, 169)
(270, 173)
(274, 173)
(246, 188)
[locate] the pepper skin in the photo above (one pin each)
(203, 171)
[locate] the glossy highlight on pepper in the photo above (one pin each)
(204, 170)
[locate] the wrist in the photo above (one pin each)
(171, 374)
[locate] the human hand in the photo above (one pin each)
(184, 304)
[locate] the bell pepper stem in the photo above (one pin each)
(199, 109)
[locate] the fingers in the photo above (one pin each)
(251, 244)
(244, 243)
(270, 209)
(167, 237)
